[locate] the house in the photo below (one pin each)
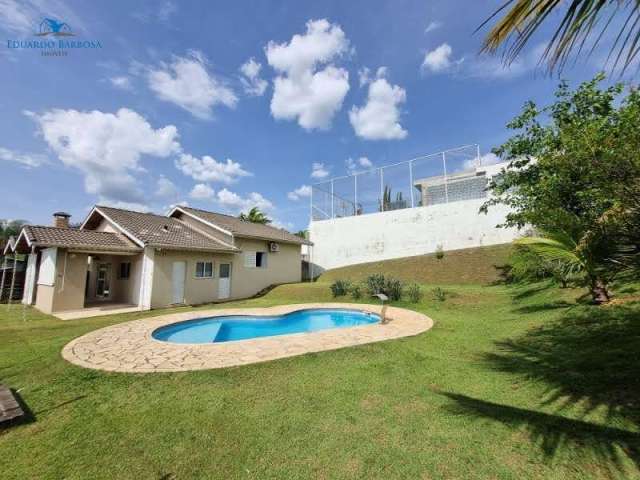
(144, 261)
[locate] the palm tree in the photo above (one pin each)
(581, 19)
(569, 258)
(255, 216)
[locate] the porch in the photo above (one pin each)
(92, 310)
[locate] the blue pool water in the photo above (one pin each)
(241, 327)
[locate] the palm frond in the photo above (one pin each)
(553, 250)
(524, 17)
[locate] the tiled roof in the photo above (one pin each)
(163, 232)
(74, 238)
(243, 228)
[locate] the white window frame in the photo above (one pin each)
(251, 259)
(204, 270)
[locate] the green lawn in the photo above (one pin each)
(511, 383)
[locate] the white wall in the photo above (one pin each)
(409, 232)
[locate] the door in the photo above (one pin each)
(224, 281)
(103, 281)
(177, 279)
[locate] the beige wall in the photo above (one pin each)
(282, 267)
(68, 293)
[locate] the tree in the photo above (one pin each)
(576, 179)
(255, 216)
(583, 20)
(302, 234)
(10, 228)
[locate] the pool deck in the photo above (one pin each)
(130, 347)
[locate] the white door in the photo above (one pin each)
(177, 279)
(224, 281)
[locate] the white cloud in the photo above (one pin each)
(365, 162)
(319, 171)
(302, 191)
(166, 10)
(23, 17)
(121, 82)
(282, 225)
(354, 166)
(201, 191)
(135, 206)
(208, 169)
(364, 76)
(379, 118)
(441, 60)
(165, 188)
(28, 160)
(106, 147)
(303, 92)
(486, 159)
(251, 81)
(186, 82)
(231, 201)
(438, 59)
(434, 25)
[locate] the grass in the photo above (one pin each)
(511, 383)
(468, 266)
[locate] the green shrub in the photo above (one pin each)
(439, 294)
(375, 283)
(439, 252)
(356, 291)
(415, 293)
(340, 288)
(393, 289)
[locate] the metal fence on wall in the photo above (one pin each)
(442, 177)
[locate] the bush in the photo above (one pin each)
(439, 294)
(393, 289)
(415, 293)
(356, 291)
(439, 252)
(340, 288)
(375, 283)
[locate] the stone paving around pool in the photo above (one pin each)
(129, 347)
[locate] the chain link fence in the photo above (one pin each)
(448, 176)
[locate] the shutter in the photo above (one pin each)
(250, 259)
(47, 273)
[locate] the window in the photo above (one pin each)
(255, 259)
(204, 269)
(125, 270)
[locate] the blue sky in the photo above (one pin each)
(226, 105)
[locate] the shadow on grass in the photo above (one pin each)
(589, 356)
(27, 417)
(553, 432)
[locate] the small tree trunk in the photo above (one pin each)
(599, 291)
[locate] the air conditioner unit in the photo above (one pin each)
(274, 247)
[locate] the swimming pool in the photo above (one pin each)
(242, 327)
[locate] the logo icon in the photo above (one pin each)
(53, 27)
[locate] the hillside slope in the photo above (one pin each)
(471, 265)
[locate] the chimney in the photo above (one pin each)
(61, 220)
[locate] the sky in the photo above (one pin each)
(229, 105)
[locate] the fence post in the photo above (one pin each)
(13, 277)
(411, 181)
(446, 188)
(355, 194)
(332, 214)
(4, 274)
(311, 205)
(381, 190)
